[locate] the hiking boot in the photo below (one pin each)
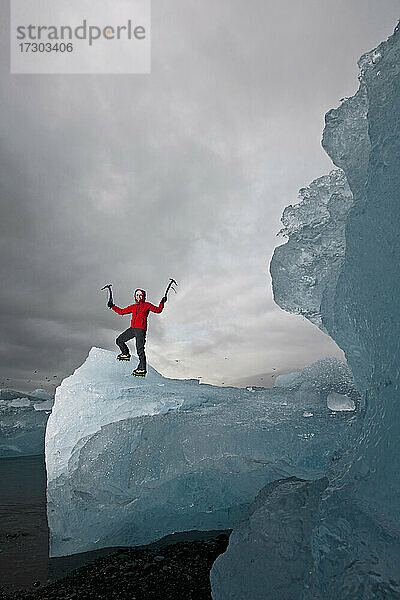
(139, 372)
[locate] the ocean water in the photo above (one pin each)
(24, 537)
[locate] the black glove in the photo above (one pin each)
(164, 299)
(110, 304)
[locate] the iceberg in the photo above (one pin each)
(137, 459)
(22, 427)
(339, 268)
(357, 541)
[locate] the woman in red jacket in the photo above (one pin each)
(138, 328)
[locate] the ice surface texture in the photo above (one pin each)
(340, 268)
(339, 402)
(130, 460)
(269, 553)
(304, 270)
(275, 535)
(22, 422)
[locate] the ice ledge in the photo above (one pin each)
(103, 391)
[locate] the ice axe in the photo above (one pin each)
(171, 282)
(108, 287)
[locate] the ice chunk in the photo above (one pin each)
(46, 405)
(19, 402)
(136, 461)
(286, 380)
(269, 552)
(305, 270)
(323, 376)
(328, 377)
(340, 402)
(340, 269)
(41, 394)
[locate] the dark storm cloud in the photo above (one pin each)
(184, 173)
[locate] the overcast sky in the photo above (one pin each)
(184, 173)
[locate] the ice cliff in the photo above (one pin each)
(340, 269)
(136, 459)
(23, 419)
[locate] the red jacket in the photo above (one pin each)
(140, 311)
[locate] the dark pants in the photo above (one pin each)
(140, 335)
